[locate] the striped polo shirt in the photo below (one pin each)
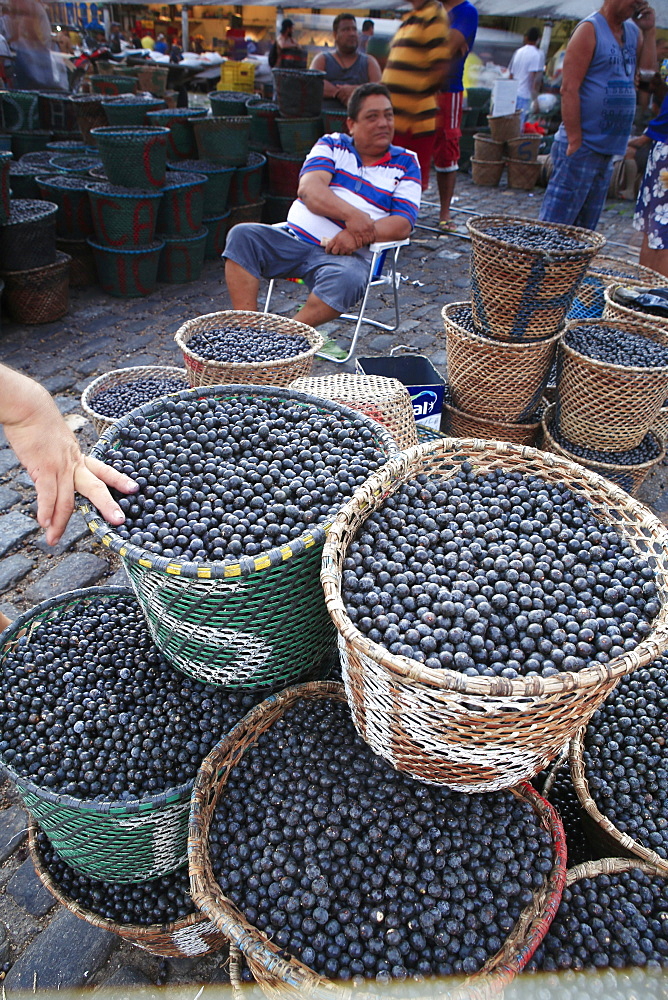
(416, 66)
(389, 187)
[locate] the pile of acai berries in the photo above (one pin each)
(244, 344)
(496, 574)
(88, 706)
(236, 476)
(613, 346)
(119, 399)
(358, 870)
(648, 449)
(535, 237)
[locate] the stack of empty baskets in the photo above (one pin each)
(503, 147)
(502, 344)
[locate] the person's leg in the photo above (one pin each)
(595, 185)
(336, 284)
(568, 186)
(253, 251)
(656, 259)
(242, 286)
(446, 149)
(314, 312)
(423, 147)
(446, 188)
(522, 104)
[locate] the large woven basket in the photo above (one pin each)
(228, 103)
(276, 209)
(264, 130)
(523, 174)
(246, 185)
(112, 85)
(216, 227)
(218, 179)
(281, 372)
(5, 191)
(627, 477)
(660, 425)
(122, 376)
(181, 143)
(590, 300)
(461, 424)
(604, 830)
(132, 110)
(525, 294)
(28, 238)
(223, 140)
(299, 92)
(123, 217)
(127, 272)
(524, 147)
(385, 400)
(486, 148)
(30, 142)
(73, 165)
(19, 110)
(246, 213)
(607, 406)
(134, 157)
(181, 208)
(182, 257)
(487, 173)
(495, 379)
(284, 171)
(40, 294)
(275, 970)
(614, 310)
(479, 733)
(23, 181)
(82, 263)
(118, 841)
(191, 937)
(56, 111)
(505, 127)
(89, 114)
(299, 135)
(259, 621)
(70, 194)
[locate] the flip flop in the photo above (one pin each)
(447, 227)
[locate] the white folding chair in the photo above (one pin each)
(383, 271)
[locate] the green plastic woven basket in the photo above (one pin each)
(182, 258)
(119, 841)
(134, 157)
(247, 182)
(123, 217)
(19, 110)
(30, 142)
(218, 181)
(5, 190)
(264, 130)
(260, 621)
(181, 143)
(226, 103)
(112, 85)
(299, 135)
(70, 194)
(131, 109)
(74, 165)
(181, 210)
(223, 140)
(127, 273)
(216, 229)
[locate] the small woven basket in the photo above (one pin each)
(182, 258)
(112, 86)
(83, 272)
(385, 400)
(223, 140)
(479, 733)
(89, 114)
(335, 121)
(525, 294)
(505, 127)
(126, 841)
(181, 209)
(590, 299)
(523, 174)
(627, 477)
(660, 425)
(73, 165)
(299, 135)
(41, 294)
(5, 190)
(122, 376)
(524, 147)
(607, 406)
(181, 143)
(218, 179)
(487, 173)
(216, 228)
(30, 142)
(127, 273)
(604, 830)
(283, 171)
(123, 217)
(256, 622)
(134, 157)
(246, 185)
(277, 973)
(191, 937)
(615, 310)
(70, 194)
(228, 103)
(487, 149)
(264, 130)
(246, 213)
(469, 425)
(28, 237)
(299, 92)
(132, 110)
(281, 372)
(495, 379)
(19, 110)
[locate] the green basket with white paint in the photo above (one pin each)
(256, 622)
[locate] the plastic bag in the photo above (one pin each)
(648, 300)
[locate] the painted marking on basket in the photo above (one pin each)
(191, 939)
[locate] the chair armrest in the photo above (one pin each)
(388, 245)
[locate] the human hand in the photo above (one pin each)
(362, 228)
(644, 15)
(343, 243)
(573, 146)
(343, 92)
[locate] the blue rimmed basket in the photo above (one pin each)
(299, 135)
(216, 227)
(246, 185)
(127, 273)
(264, 130)
(181, 143)
(223, 139)
(134, 157)
(260, 621)
(123, 217)
(218, 181)
(70, 194)
(130, 109)
(181, 210)
(226, 103)
(182, 258)
(77, 165)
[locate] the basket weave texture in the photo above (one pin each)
(298, 135)
(246, 184)
(223, 140)
(73, 219)
(193, 936)
(461, 424)
(299, 92)
(246, 213)
(281, 372)
(117, 841)
(182, 257)
(609, 866)
(89, 114)
(19, 110)
(5, 191)
(218, 179)
(284, 173)
(112, 85)
(181, 209)
(628, 477)
(487, 173)
(523, 174)
(385, 400)
(264, 130)
(123, 217)
(82, 263)
(130, 112)
(122, 376)
(486, 148)
(479, 733)
(335, 121)
(216, 228)
(127, 273)
(228, 103)
(525, 294)
(495, 379)
(280, 975)
(29, 241)
(505, 127)
(181, 143)
(607, 406)
(255, 622)
(134, 157)
(40, 294)
(590, 300)
(614, 310)
(605, 829)
(660, 425)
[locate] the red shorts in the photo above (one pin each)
(423, 145)
(448, 131)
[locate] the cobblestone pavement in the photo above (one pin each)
(101, 333)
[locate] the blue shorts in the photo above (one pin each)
(578, 187)
(265, 252)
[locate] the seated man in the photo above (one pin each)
(347, 66)
(353, 190)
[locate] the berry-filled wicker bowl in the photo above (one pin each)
(105, 762)
(434, 693)
(616, 310)
(525, 274)
(119, 391)
(219, 348)
(460, 424)
(343, 825)
(185, 936)
(223, 549)
(590, 300)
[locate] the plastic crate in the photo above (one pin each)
(237, 76)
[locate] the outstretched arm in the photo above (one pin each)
(48, 450)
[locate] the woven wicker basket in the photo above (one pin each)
(264, 130)
(479, 733)
(134, 157)
(119, 841)
(123, 217)
(181, 143)
(524, 147)
(486, 148)
(613, 310)
(385, 400)
(19, 110)
(218, 179)
(40, 294)
(89, 114)
(523, 174)
(191, 937)
(505, 127)
(223, 140)
(181, 209)
(607, 406)
(660, 425)
(226, 103)
(487, 173)
(276, 972)
(281, 372)
(590, 300)
(112, 85)
(28, 238)
(131, 110)
(283, 171)
(70, 194)
(122, 376)
(182, 257)
(276, 209)
(30, 142)
(259, 621)
(216, 228)
(23, 181)
(246, 213)
(335, 121)
(495, 379)
(604, 831)
(627, 477)
(82, 263)
(299, 135)
(77, 165)
(246, 185)
(525, 294)
(299, 92)
(469, 425)
(127, 272)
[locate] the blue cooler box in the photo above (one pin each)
(425, 386)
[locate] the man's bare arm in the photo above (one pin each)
(577, 59)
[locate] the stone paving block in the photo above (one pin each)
(8, 497)
(125, 976)
(439, 358)
(421, 340)
(118, 579)
(129, 360)
(23, 479)
(95, 345)
(3, 438)
(9, 610)
(14, 527)
(67, 954)
(8, 460)
(58, 383)
(13, 830)
(4, 944)
(94, 323)
(12, 569)
(76, 529)
(67, 404)
(26, 889)
(81, 569)
(382, 342)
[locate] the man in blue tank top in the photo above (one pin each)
(598, 102)
(346, 67)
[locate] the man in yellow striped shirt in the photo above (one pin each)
(416, 65)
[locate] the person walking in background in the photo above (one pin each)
(366, 34)
(285, 53)
(527, 66)
(463, 28)
(651, 216)
(598, 103)
(346, 67)
(161, 45)
(30, 36)
(415, 68)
